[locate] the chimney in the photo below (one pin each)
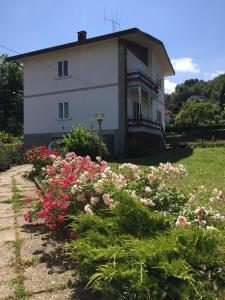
(81, 35)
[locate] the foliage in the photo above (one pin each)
(11, 100)
(5, 138)
(4, 161)
(146, 258)
(134, 236)
(196, 112)
(207, 90)
(84, 142)
(40, 157)
(12, 147)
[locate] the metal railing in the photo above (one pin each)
(143, 122)
(138, 74)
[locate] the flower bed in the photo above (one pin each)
(135, 236)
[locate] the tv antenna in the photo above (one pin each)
(115, 19)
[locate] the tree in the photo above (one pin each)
(197, 112)
(194, 88)
(11, 100)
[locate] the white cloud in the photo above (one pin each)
(169, 86)
(185, 64)
(210, 76)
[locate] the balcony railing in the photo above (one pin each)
(143, 122)
(139, 75)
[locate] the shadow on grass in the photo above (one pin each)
(171, 155)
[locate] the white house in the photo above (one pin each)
(119, 74)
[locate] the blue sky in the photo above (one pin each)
(193, 31)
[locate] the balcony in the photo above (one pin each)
(138, 76)
(143, 124)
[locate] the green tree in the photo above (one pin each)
(195, 88)
(197, 112)
(11, 100)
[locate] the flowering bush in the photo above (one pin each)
(136, 236)
(40, 157)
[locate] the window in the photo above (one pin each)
(159, 116)
(64, 110)
(63, 68)
(159, 82)
(136, 111)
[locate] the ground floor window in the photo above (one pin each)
(63, 110)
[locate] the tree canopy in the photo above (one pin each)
(194, 88)
(197, 112)
(11, 98)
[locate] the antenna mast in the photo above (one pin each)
(114, 20)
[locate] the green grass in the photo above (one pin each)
(205, 166)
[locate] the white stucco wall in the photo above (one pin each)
(92, 82)
(42, 112)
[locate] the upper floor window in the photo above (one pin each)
(63, 68)
(64, 110)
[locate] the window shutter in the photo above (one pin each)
(66, 110)
(65, 64)
(60, 110)
(60, 71)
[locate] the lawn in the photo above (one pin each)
(205, 166)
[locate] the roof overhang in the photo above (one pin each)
(134, 35)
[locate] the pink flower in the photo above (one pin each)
(52, 226)
(27, 200)
(80, 197)
(147, 202)
(106, 199)
(182, 222)
(27, 217)
(94, 200)
(151, 177)
(148, 189)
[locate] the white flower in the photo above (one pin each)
(147, 202)
(98, 158)
(94, 200)
(211, 228)
(88, 209)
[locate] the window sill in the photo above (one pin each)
(63, 77)
(64, 119)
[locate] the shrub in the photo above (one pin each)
(84, 142)
(40, 157)
(5, 138)
(12, 146)
(174, 263)
(4, 160)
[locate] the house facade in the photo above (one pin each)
(119, 74)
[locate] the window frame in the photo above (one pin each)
(63, 110)
(61, 67)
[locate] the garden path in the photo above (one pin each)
(32, 266)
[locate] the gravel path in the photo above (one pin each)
(32, 266)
